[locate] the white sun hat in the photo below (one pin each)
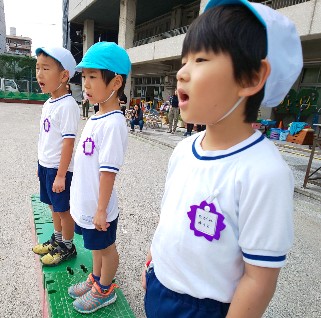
(62, 55)
(284, 49)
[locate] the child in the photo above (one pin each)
(58, 128)
(99, 155)
(226, 219)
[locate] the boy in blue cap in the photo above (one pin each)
(58, 129)
(226, 218)
(99, 156)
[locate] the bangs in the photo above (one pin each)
(230, 29)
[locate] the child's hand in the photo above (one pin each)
(58, 185)
(144, 278)
(100, 221)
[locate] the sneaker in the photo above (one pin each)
(82, 288)
(169, 131)
(95, 299)
(58, 255)
(132, 130)
(45, 248)
(140, 131)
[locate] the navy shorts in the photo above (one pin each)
(162, 302)
(59, 201)
(98, 240)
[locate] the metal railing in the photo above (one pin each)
(278, 4)
(162, 36)
(274, 4)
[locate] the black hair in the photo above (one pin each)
(109, 75)
(232, 30)
(61, 68)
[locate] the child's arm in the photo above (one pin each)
(66, 154)
(253, 292)
(148, 259)
(106, 184)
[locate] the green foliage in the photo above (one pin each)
(17, 67)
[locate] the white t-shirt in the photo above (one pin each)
(101, 147)
(251, 187)
(59, 120)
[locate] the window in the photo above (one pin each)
(311, 75)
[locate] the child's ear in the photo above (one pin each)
(250, 88)
(118, 82)
(65, 76)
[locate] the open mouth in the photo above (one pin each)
(183, 97)
(42, 85)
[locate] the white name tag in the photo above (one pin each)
(206, 221)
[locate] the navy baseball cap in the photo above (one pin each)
(106, 56)
(284, 49)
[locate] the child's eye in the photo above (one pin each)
(92, 76)
(46, 69)
(199, 59)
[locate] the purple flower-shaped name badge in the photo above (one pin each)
(88, 146)
(206, 221)
(46, 125)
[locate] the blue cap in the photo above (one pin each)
(283, 45)
(106, 56)
(246, 3)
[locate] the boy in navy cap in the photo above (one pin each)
(58, 129)
(99, 156)
(226, 218)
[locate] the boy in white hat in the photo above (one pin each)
(226, 217)
(98, 158)
(58, 129)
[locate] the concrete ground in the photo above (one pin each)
(140, 186)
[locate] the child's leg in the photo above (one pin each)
(67, 225)
(110, 261)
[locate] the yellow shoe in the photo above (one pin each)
(58, 255)
(45, 248)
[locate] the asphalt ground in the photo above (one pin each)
(140, 186)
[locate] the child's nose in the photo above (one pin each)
(182, 74)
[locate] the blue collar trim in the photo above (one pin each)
(227, 155)
(59, 98)
(108, 114)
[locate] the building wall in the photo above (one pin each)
(2, 28)
(77, 6)
(309, 23)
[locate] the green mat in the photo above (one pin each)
(57, 279)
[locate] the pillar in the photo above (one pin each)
(127, 21)
(88, 35)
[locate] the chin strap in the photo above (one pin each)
(231, 110)
(112, 93)
(57, 88)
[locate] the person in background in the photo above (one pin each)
(173, 113)
(137, 119)
(123, 103)
(200, 128)
(189, 129)
(68, 89)
(85, 105)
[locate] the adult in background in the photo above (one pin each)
(137, 119)
(173, 113)
(123, 103)
(85, 105)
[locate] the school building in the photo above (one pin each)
(153, 32)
